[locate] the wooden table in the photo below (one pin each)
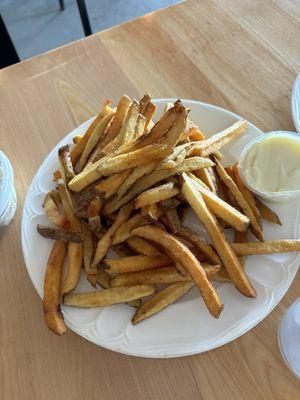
(241, 55)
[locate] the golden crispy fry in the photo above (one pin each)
(77, 138)
(156, 176)
(93, 214)
(59, 234)
(97, 134)
(118, 120)
(88, 249)
(134, 158)
(266, 213)
(79, 147)
(74, 261)
(241, 237)
(152, 212)
(174, 134)
(107, 297)
(105, 242)
(161, 300)
(65, 162)
(207, 175)
(86, 177)
(111, 184)
(66, 202)
(200, 244)
(148, 113)
(238, 198)
(248, 195)
(136, 174)
(181, 254)
(157, 194)
(141, 246)
(136, 263)
(267, 247)
(223, 210)
(124, 230)
(140, 127)
(52, 283)
(157, 275)
(225, 252)
(53, 213)
(217, 141)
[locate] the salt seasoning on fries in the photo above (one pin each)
(125, 187)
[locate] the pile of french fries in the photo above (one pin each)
(123, 189)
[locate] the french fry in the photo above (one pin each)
(94, 139)
(161, 300)
(151, 211)
(267, 247)
(77, 138)
(200, 244)
(171, 220)
(88, 250)
(136, 263)
(103, 278)
(169, 204)
(59, 234)
(238, 198)
(111, 184)
(93, 214)
(156, 176)
(248, 195)
(141, 246)
(118, 120)
(65, 162)
(225, 252)
(223, 210)
(136, 174)
(52, 283)
(53, 213)
(148, 113)
(217, 141)
(139, 127)
(74, 261)
(124, 230)
(107, 297)
(266, 213)
(105, 242)
(157, 194)
(122, 250)
(182, 255)
(157, 276)
(174, 134)
(79, 147)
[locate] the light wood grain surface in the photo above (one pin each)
(241, 55)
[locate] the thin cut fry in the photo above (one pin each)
(77, 138)
(65, 162)
(267, 247)
(238, 198)
(52, 283)
(140, 127)
(124, 230)
(266, 213)
(152, 212)
(53, 213)
(105, 242)
(111, 184)
(75, 253)
(156, 176)
(136, 263)
(141, 246)
(223, 210)
(157, 276)
(161, 300)
(157, 194)
(181, 254)
(217, 141)
(59, 234)
(225, 252)
(103, 278)
(88, 249)
(107, 297)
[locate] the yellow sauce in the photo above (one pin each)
(273, 164)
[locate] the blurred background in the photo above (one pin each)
(36, 26)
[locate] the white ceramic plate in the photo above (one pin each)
(185, 327)
(295, 104)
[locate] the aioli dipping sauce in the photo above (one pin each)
(271, 164)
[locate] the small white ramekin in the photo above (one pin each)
(8, 197)
(265, 194)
